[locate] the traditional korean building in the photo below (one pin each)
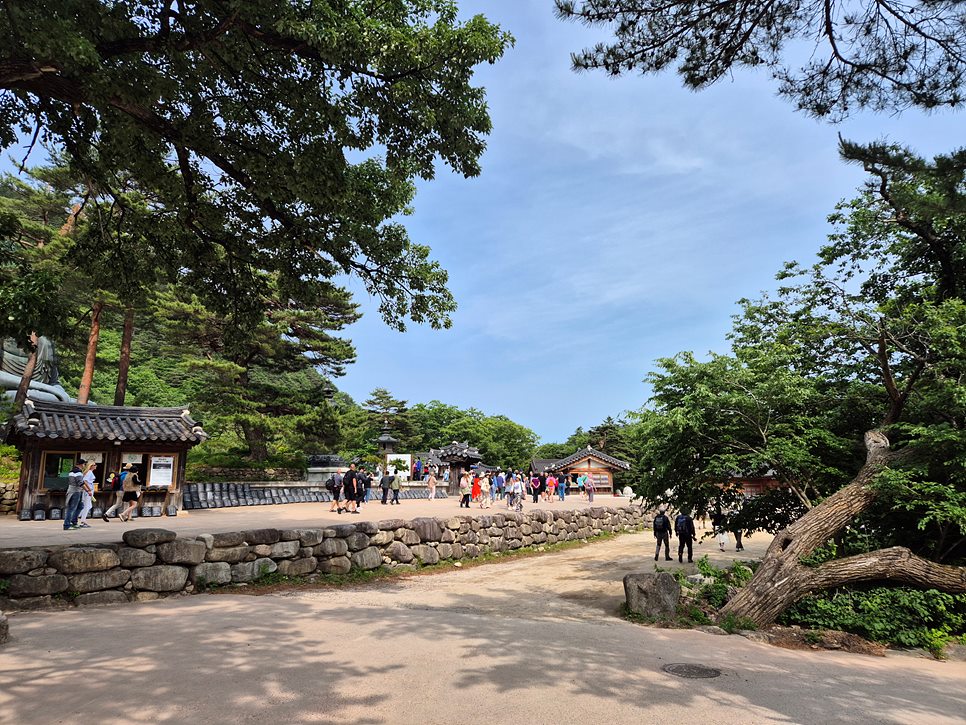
(52, 437)
(598, 467)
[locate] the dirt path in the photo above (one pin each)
(532, 640)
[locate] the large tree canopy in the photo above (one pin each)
(828, 57)
(275, 136)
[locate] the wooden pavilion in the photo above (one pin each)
(598, 467)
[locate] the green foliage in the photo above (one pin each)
(9, 463)
(715, 594)
(898, 616)
(731, 624)
(706, 568)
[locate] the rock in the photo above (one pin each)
(755, 636)
(699, 580)
(78, 560)
(328, 533)
(304, 552)
(367, 527)
(311, 537)
(261, 536)
(4, 628)
(526, 529)
(392, 524)
(159, 578)
(471, 550)
(427, 555)
(332, 547)
(457, 551)
(99, 580)
(18, 561)
(251, 570)
(227, 539)
(445, 551)
(357, 541)
(207, 539)
(21, 585)
(711, 629)
(370, 558)
(261, 550)
(285, 549)
(382, 538)
(335, 565)
(214, 572)
(427, 528)
(230, 554)
(144, 596)
(182, 551)
(447, 537)
(297, 567)
(407, 536)
(141, 538)
(652, 595)
(288, 535)
(101, 598)
(344, 530)
(34, 604)
(399, 552)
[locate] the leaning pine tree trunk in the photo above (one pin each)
(125, 362)
(28, 373)
(87, 379)
(782, 579)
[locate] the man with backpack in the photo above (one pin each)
(662, 532)
(334, 486)
(74, 497)
(684, 528)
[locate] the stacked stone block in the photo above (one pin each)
(152, 563)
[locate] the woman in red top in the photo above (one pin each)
(476, 487)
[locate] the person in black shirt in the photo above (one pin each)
(349, 481)
(684, 528)
(662, 532)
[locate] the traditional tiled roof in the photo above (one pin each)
(589, 452)
(542, 465)
(459, 452)
(72, 421)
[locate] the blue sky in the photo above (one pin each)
(616, 221)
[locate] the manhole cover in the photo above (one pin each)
(692, 672)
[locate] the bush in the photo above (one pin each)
(897, 616)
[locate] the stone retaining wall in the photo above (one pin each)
(152, 563)
(8, 498)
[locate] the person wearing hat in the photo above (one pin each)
(117, 487)
(662, 532)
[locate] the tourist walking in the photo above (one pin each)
(132, 492)
(363, 484)
(87, 495)
(431, 484)
(662, 532)
(73, 499)
(113, 484)
(516, 494)
(684, 528)
(562, 486)
(581, 481)
(349, 481)
(500, 483)
(475, 490)
(466, 488)
(590, 488)
(485, 491)
(334, 486)
(535, 488)
(395, 486)
(384, 483)
(718, 526)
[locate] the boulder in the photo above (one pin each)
(251, 570)
(407, 536)
(144, 596)
(79, 560)
(357, 541)
(131, 558)
(445, 551)
(92, 599)
(399, 552)
(18, 561)
(471, 550)
(335, 565)
(21, 585)
(453, 524)
(261, 536)
(369, 558)
(367, 527)
(261, 550)
(392, 524)
(311, 537)
(457, 551)
(160, 578)
(288, 535)
(447, 537)
(99, 580)
(229, 554)
(427, 528)
(298, 567)
(382, 538)
(182, 551)
(208, 539)
(699, 580)
(344, 530)
(652, 595)
(285, 549)
(4, 628)
(426, 554)
(332, 547)
(228, 538)
(213, 572)
(141, 538)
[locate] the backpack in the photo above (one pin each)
(681, 524)
(330, 484)
(661, 524)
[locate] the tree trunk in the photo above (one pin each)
(24, 386)
(255, 438)
(87, 379)
(782, 579)
(125, 362)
